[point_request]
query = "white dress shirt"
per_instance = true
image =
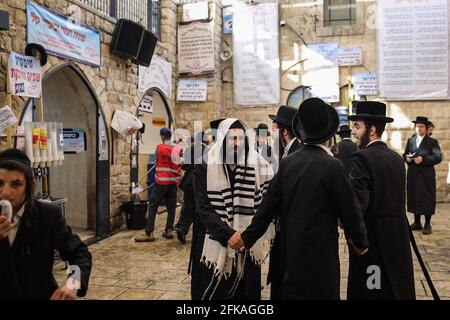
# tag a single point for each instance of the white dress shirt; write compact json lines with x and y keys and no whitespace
{"x":16,"y":219}
{"x":419,"y":140}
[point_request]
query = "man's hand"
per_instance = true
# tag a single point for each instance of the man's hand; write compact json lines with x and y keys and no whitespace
{"x":359,"y":251}
{"x":64,"y":293}
{"x":236,"y":242}
{"x":5,"y":227}
{"x":418,"y":160}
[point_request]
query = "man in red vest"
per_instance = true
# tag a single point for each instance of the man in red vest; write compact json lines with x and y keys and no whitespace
{"x":168,"y":175}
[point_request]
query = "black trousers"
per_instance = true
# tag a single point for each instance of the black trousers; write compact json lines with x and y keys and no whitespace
{"x":160,"y":192}
{"x":187,"y":211}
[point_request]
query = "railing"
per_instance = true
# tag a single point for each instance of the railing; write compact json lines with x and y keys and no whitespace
{"x":144,"y":12}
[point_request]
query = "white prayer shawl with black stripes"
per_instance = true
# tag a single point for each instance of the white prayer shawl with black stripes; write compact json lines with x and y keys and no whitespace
{"x":251,"y":182}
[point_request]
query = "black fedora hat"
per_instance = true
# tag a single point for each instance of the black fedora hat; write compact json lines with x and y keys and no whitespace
{"x":284,"y":116}
{"x":214,"y":124}
{"x":315,"y":121}
{"x":262,"y":127}
{"x":344,"y":129}
{"x":423,"y":120}
{"x":370,"y":110}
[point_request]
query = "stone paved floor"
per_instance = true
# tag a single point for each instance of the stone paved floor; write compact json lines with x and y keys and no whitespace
{"x":124,"y":270}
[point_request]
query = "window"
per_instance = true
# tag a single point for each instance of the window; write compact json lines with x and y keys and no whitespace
{"x":339,"y":12}
{"x":154,"y":18}
{"x":298,"y":95}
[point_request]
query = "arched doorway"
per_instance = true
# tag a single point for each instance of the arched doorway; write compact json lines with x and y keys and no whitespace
{"x":154,"y":112}
{"x":84,"y":177}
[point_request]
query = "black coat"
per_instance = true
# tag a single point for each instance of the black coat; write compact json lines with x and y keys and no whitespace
{"x":421,"y":178}
{"x":296,"y":145}
{"x":345,"y":150}
{"x":276,"y":267}
{"x":205,"y":218}
{"x":26,"y":268}
{"x":309,"y":192}
{"x":378,"y":179}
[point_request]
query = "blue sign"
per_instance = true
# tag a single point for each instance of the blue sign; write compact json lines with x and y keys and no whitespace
{"x":61,"y":36}
{"x":74,"y":141}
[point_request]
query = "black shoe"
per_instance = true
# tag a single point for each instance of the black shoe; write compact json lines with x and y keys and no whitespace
{"x":181,"y":236}
{"x":416,"y":226}
{"x":427,"y":229}
{"x":168,"y":234}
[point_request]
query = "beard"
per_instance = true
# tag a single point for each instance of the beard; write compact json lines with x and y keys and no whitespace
{"x":363,"y":140}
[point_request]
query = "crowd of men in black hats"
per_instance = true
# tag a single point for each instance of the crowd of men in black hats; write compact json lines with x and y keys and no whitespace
{"x":310,"y":187}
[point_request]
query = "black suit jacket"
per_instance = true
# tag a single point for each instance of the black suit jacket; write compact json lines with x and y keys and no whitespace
{"x":296,"y":145}
{"x":345,"y":150}
{"x":309,"y":192}
{"x":378,"y":179}
{"x":26,"y":267}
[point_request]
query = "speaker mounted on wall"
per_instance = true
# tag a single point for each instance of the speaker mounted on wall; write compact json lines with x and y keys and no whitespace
{"x":148,"y":45}
{"x":132,"y":41}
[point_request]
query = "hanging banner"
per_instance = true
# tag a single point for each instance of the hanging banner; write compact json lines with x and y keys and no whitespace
{"x":24,"y":75}
{"x":62,"y":37}
{"x":322,"y":71}
{"x":7,"y":118}
{"x":413,"y":49}
{"x":256,"y":65}
{"x":365,"y":84}
{"x":350,"y":57}
{"x":192,"y":90}
{"x":196,"y":48}
{"x":157,"y":75}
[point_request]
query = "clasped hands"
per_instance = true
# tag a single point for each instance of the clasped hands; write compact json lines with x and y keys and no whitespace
{"x":236,"y":242}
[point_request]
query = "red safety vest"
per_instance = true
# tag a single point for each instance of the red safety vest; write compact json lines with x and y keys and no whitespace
{"x":168,"y":170}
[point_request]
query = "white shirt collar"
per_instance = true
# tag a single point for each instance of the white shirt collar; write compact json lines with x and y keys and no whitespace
{"x":327,"y":150}
{"x":16,"y":218}
{"x":372,"y":142}
{"x":347,"y":139}
{"x":289,"y":145}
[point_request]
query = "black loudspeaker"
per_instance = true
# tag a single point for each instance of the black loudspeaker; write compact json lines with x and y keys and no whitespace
{"x":126,"y":40}
{"x":147,"y":48}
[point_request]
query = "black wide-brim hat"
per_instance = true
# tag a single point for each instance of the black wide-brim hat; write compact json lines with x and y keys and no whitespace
{"x":423,"y":120}
{"x":284,"y":116}
{"x":344,"y":129}
{"x":214,"y":124}
{"x":315,"y":121}
{"x":370,"y":110}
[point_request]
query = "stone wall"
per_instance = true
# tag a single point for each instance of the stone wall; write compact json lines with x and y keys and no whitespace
{"x":306,"y":18}
{"x":114,"y":83}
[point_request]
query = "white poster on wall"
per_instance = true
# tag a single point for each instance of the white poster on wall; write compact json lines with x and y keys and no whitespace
{"x":196,"y":48}
{"x":321,"y":71}
{"x":24,"y":74}
{"x":157,"y":75}
{"x":256,"y":62}
{"x":365,"y":84}
{"x":348,"y":57}
{"x":192,"y":90}
{"x":7,"y":118}
{"x":146,"y":104}
{"x":195,"y":11}
{"x":413,"y":49}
